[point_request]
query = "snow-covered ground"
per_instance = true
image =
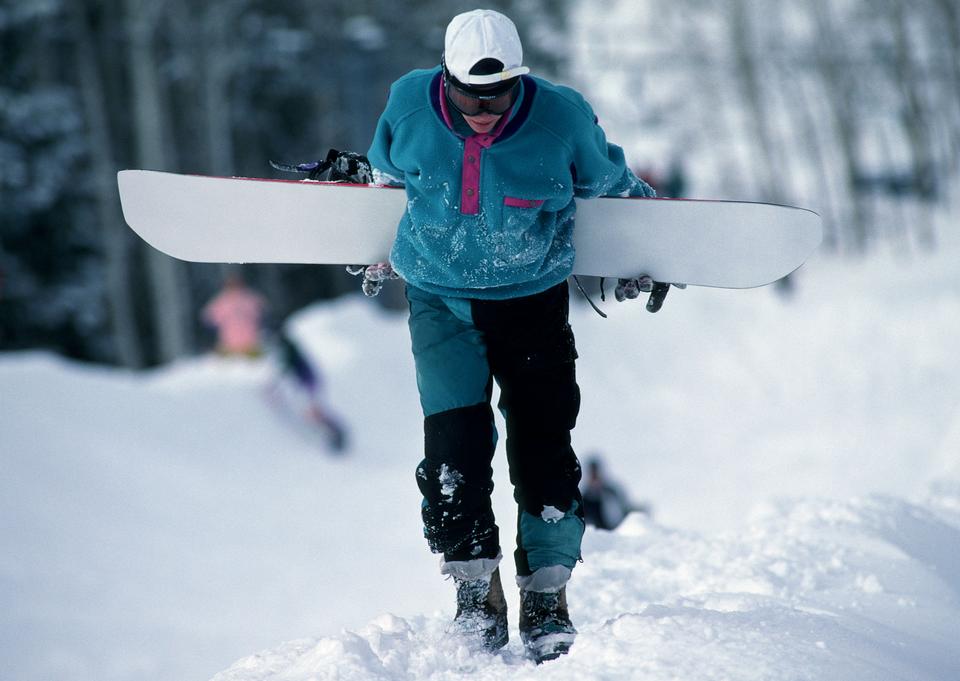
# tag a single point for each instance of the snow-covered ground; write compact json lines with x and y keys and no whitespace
{"x":802,"y":457}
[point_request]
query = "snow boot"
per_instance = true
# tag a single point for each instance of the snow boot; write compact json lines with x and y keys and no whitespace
{"x":482,"y":610}
{"x":545,"y":626}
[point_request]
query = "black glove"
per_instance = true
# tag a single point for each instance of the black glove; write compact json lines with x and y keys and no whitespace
{"x":338,"y":166}
{"x":628,"y":289}
{"x":373,"y":276}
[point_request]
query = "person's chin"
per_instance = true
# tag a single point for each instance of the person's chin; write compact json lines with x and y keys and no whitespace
{"x":483,"y":127}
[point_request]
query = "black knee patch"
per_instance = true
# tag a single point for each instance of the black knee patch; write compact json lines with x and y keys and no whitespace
{"x":456,"y":480}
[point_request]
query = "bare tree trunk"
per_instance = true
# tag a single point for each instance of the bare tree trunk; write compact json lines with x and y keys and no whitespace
{"x":151,"y":128}
{"x":915,"y":120}
{"x":800,"y":103}
{"x":714,"y":107}
{"x":840,"y":97}
{"x":949,"y":23}
{"x":751,"y":87}
{"x":326,"y":23}
{"x":117,"y":240}
{"x":218,"y":63}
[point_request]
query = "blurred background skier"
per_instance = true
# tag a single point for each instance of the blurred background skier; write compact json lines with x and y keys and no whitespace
{"x":298,"y":387}
{"x":492,"y":159}
{"x":237,"y":315}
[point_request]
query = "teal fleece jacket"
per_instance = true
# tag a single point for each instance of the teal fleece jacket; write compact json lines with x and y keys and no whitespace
{"x":491,"y":215}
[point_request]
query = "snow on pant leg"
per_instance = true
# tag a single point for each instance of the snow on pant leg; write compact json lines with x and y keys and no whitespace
{"x":455,"y":476}
{"x":531,"y":351}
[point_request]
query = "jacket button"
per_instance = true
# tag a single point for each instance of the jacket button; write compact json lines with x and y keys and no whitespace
{"x":471,"y":159}
{"x":469,"y":192}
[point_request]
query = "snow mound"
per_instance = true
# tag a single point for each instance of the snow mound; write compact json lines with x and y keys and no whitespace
{"x":158,"y":525}
{"x":811,"y":589}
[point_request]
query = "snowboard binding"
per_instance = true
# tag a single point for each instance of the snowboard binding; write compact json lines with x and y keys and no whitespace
{"x":338,"y":166}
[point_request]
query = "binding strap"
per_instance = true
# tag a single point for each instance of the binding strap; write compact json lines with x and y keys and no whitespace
{"x":592,"y":304}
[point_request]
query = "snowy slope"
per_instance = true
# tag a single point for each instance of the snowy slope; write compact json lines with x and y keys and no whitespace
{"x":813,"y":590}
{"x":802,"y":458}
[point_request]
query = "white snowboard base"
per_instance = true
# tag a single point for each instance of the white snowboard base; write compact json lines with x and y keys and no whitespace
{"x":197,"y":218}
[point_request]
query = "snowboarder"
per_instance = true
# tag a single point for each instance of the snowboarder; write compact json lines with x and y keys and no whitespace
{"x":293,"y":363}
{"x":492,"y":159}
{"x":236,"y":313}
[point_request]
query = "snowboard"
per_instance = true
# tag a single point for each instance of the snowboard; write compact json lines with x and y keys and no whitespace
{"x":728,"y":244}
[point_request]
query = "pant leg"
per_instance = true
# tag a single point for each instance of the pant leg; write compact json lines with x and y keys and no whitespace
{"x":531,"y":352}
{"x":455,"y":476}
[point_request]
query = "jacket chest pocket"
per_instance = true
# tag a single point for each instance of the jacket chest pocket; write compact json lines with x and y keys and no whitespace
{"x":513,"y":202}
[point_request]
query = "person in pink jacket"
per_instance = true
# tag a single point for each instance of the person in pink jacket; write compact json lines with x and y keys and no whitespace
{"x":236,"y":313}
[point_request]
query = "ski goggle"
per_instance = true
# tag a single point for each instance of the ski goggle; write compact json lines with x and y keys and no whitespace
{"x":473,"y":104}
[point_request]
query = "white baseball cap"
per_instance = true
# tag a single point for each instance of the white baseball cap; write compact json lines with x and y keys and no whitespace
{"x":482,"y":34}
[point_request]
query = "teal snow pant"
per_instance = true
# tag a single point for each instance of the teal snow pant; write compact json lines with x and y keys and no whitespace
{"x":460,"y":347}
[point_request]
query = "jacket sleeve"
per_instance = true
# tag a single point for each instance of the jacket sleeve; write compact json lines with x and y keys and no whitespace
{"x":379,"y":153}
{"x":600,"y":168}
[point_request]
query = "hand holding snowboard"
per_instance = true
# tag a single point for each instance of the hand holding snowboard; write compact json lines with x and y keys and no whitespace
{"x":628,"y":289}
{"x":373,"y":276}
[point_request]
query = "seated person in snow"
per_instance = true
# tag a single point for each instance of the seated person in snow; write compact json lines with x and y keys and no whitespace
{"x":605,"y":504}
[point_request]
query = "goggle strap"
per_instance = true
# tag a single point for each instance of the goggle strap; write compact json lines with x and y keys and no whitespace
{"x":491,"y":78}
